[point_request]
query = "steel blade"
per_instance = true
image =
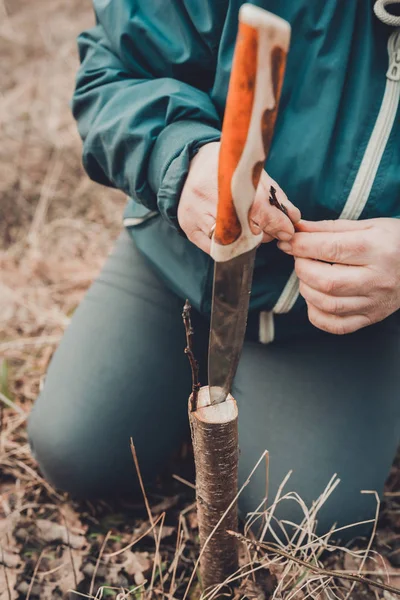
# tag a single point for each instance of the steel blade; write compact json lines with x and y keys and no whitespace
{"x":230,"y":305}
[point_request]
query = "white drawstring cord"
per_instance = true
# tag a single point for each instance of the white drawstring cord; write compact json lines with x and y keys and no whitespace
{"x":384,"y":15}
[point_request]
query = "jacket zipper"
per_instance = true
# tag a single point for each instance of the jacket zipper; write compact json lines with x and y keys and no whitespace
{"x":368,"y":169}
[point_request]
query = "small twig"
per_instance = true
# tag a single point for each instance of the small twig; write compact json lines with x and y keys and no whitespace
{"x":37,"y":477}
{"x":44,"y":574}
{"x":273,"y":200}
{"x":136,"y":540}
{"x":184,"y":481}
{"x":142,"y":488}
{"x":35,"y":341}
{"x":35,"y":571}
{"x":179,"y":547}
{"x":371,"y":539}
{"x":194,"y":365}
{"x":71,"y":556}
{"x":10,"y":404}
{"x":46,"y":196}
{"x":1,"y":427}
{"x":157,"y":540}
{"x":96,"y":568}
{"x":157,"y":558}
{"x":5,"y":574}
{"x":314,"y":568}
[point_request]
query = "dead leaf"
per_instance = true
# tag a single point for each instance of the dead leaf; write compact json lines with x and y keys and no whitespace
{"x":164,"y":505}
{"x":166,"y":531}
{"x":137,"y":564}
{"x":51,"y":532}
{"x":135,"y":567}
{"x":351,"y":563}
{"x":391,"y":575}
{"x":72,"y":519}
{"x":89,"y":569}
{"x":9,"y":559}
{"x":262,"y":588}
{"x":8,"y":581}
{"x":35,"y":589}
{"x":70,"y":575}
{"x":251,"y":590}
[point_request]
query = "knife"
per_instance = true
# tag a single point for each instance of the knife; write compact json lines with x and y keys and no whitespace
{"x":251,"y":109}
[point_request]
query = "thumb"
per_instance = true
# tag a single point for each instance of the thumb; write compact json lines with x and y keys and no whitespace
{"x":336,"y":226}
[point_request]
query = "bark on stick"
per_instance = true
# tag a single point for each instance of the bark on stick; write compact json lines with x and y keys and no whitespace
{"x":215,"y":442}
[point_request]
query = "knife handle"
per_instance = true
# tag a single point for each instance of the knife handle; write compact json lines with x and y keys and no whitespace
{"x":251,"y":109}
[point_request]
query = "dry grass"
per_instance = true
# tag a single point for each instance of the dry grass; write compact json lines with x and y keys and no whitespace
{"x":56,"y":228}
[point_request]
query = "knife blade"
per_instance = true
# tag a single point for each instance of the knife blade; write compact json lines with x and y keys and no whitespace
{"x":251,"y":109}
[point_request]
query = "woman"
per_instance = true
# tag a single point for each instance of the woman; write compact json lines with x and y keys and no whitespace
{"x":318,"y":379}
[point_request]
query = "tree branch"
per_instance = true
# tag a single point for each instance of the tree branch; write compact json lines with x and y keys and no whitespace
{"x":194,"y":365}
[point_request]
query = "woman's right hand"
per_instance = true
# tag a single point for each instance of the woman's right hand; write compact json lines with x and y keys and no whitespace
{"x":197,"y":208}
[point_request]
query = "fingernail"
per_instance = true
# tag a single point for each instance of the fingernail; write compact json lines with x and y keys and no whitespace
{"x":285,"y":247}
{"x":284,"y":236}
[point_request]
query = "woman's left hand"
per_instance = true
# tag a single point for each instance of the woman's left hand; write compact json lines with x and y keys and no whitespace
{"x":349,"y":271}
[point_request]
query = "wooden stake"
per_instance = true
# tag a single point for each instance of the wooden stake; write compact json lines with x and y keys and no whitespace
{"x":215,"y":443}
{"x":215,"y":446}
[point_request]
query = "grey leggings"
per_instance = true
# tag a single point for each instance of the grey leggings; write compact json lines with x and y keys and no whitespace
{"x":320,"y":405}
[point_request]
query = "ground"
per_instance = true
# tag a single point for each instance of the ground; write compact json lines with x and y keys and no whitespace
{"x":56,"y":228}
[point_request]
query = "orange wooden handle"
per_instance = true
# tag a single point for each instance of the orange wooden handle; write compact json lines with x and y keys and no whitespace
{"x":239,"y":105}
{"x":254,"y":92}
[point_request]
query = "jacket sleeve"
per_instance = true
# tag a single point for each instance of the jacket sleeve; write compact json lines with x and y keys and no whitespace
{"x":141,"y":97}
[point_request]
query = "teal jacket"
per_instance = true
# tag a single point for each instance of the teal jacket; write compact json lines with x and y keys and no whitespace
{"x":151,"y":91}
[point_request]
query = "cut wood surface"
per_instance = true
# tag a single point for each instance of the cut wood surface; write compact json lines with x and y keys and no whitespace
{"x":215,"y":442}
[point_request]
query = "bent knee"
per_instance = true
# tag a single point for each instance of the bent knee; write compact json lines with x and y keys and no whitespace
{"x":57,"y":453}
{"x":68,"y":456}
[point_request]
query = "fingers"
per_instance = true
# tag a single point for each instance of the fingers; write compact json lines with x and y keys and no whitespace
{"x":202,"y":241}
{"x":333,"y":226}
{"x":198,"y":225}
{"x":202,"y":228}
{"x":256,"y":229}
{"x":361,"y":286}
{"x":342,"y":305}
{"x":347,"y":247}
{"x":197,"y":207}
{"x":332,"y":294}
{"x":266,"y":238}
{"x":198,"y":203}
{"x":270,"y":219}
{"x":293,"y":212}
{"x":334,"y":280}
{"x":336,"y":324}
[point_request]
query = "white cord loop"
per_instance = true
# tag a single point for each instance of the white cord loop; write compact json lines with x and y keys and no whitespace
{"x":384,"y":15}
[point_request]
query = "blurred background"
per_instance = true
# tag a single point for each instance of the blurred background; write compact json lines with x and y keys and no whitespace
{"x":55,"y":225}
